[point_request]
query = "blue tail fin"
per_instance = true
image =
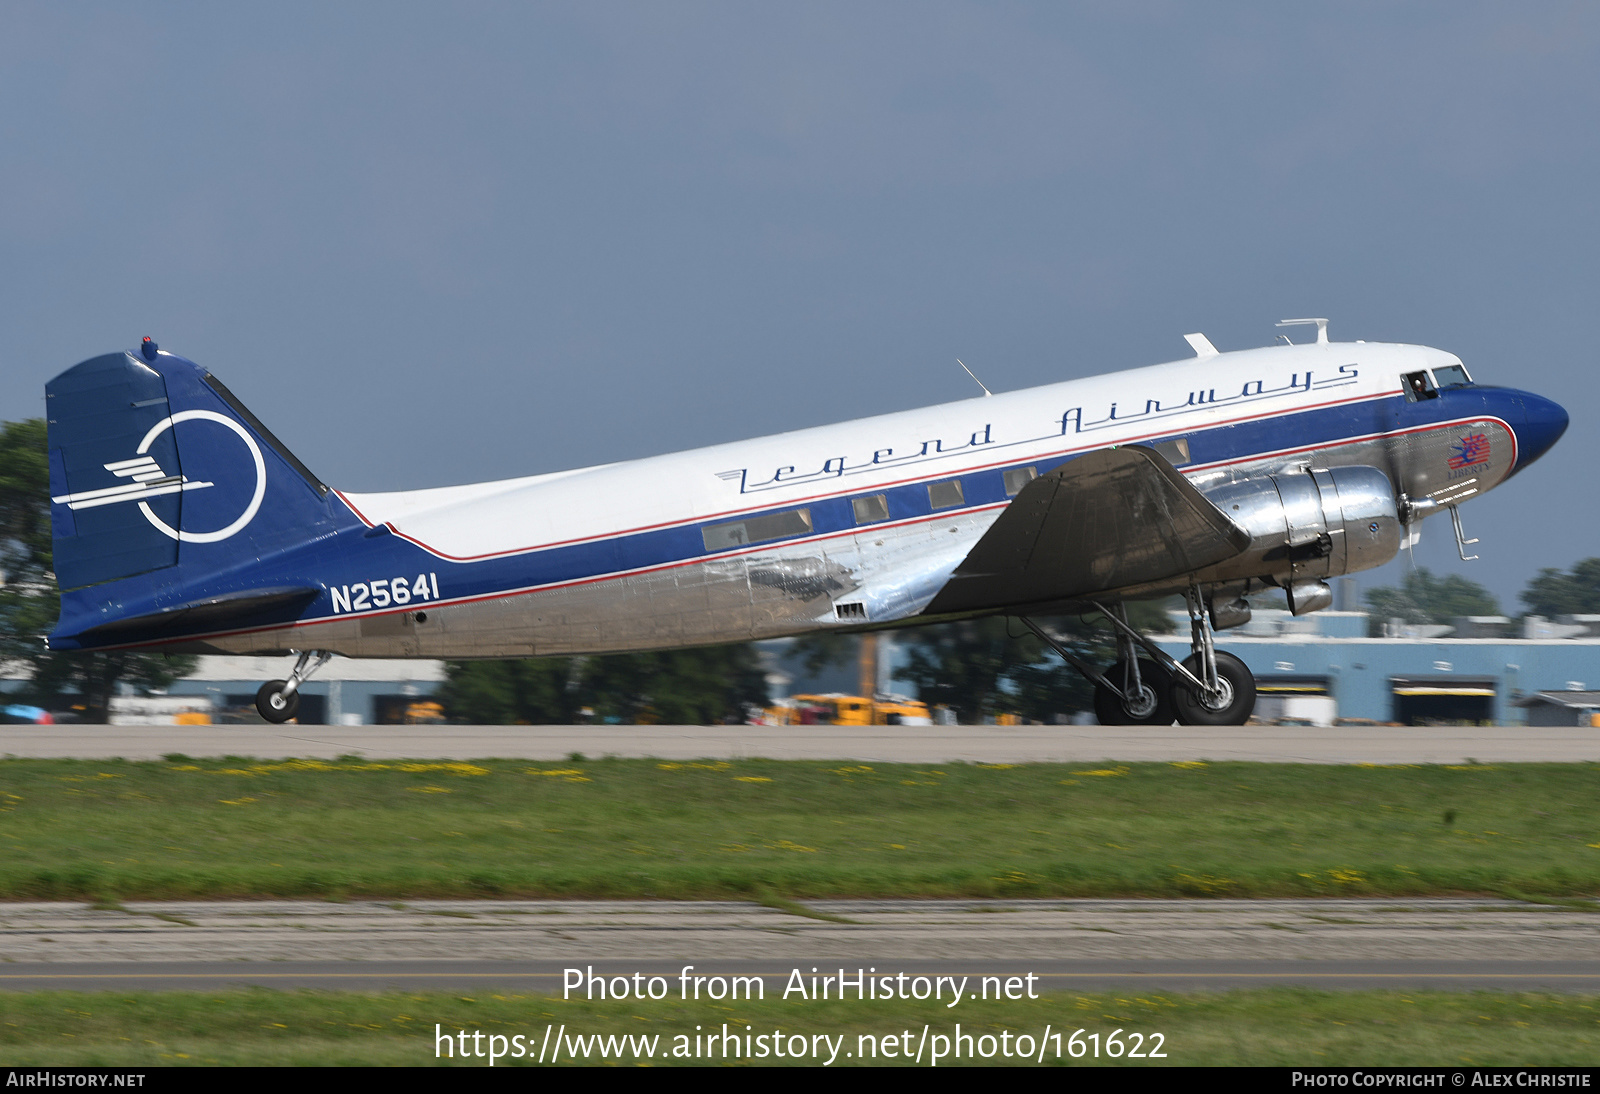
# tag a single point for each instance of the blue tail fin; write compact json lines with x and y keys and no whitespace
{"x":162,"y":484}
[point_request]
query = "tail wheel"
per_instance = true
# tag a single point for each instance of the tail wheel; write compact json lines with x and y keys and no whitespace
{"x":1150,"y":707}
{"x":1234,"y":702}
{"x":274,"y":705}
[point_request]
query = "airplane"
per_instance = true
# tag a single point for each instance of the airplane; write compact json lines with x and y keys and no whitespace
{"x":181,"y":523}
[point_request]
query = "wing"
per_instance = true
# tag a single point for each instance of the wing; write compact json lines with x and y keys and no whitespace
{"x":1107,"y":520}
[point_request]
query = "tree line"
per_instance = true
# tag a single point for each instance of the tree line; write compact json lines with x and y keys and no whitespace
{"x":978,"y":668}
{"x":1424,"y":597}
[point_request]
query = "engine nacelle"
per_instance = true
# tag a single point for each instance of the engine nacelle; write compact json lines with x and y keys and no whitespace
{"x":1308,"y":526}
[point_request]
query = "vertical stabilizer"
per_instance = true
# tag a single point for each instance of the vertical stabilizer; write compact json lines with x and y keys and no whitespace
{"x":161,"y":483}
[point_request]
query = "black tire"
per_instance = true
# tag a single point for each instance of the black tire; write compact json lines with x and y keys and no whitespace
{"x":1112,"y":711}
{"x":272,"y":705}
{"x":1238,"y":699}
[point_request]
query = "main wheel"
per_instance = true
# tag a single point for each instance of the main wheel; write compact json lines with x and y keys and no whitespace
{"x":1232,"y":706}
{"x":274,"y":706}
{"x":1151,"y":707}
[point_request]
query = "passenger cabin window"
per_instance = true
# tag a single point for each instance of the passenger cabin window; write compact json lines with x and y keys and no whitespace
{"x":1451,"y":376}
{"x":945,"y":495}
{"x":871,"y":508}
{"x":1017,"y":478}
{"x":718,"y":537}
{"x":1419,"y":386}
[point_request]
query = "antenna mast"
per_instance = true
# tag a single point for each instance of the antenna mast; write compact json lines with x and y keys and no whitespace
{"x":1321,"y":324}
{"x":986,"y":391}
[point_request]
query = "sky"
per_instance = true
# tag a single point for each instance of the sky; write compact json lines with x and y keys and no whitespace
{"x":441,"y":243}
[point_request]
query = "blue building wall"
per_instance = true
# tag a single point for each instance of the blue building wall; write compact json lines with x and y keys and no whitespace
{"x":347,"y":687}
{"x":360,"y":698}
{"x":1361,"y":671}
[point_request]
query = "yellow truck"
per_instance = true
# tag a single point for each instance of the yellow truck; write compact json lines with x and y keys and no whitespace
{"x":835,"y":709}
{"x":424,"y":712}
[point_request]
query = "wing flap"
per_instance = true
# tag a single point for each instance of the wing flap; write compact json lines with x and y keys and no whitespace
{"x":1107,"y":520}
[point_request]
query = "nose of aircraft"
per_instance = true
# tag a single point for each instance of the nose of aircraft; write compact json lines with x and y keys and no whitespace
{"x":1543,"y":423}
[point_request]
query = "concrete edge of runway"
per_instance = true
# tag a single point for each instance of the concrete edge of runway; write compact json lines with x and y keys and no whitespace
{"x":1047,"y":976}
{"x":872,"y":744}
{"x":1373,"y":943}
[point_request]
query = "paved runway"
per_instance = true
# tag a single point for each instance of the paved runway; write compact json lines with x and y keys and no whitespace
{"x":880,"y":744}
{"x":545,"y":977}
{"x":1067,"y":944}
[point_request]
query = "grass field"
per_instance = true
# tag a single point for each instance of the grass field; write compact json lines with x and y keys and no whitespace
{"x":1273,"y":1027}
{"x":640,"y":828}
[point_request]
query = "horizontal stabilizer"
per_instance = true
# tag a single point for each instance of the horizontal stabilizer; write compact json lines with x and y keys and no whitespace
{"x":1111,"y":519}
{"x":216,"y":611}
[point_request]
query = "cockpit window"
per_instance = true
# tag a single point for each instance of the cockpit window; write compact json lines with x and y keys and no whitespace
{"x":1451,"y":376}
{"x":1419,"y":386}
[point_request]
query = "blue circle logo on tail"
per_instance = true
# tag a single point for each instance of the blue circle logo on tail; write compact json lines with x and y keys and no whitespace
{"x":145,"y":480}
{"x":250,"y":509}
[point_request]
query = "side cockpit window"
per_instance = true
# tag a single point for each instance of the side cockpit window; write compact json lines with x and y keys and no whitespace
{"x":1419,"y":386}
{"x":1451,"y":376}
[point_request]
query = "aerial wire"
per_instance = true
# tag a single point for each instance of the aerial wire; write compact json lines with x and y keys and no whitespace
{"x":963,"y":364}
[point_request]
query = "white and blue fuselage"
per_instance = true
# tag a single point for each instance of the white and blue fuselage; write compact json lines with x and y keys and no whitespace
{"x":857,"y":524}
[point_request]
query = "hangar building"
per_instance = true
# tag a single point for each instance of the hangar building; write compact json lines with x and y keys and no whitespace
{"x":1322,"y":666}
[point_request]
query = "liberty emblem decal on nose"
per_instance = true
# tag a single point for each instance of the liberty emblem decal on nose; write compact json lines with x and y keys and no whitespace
{"x":149,"y":480}
{"x":1471,"y":449}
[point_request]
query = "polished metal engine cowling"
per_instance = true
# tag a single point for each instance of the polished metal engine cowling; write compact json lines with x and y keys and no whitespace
{"x":1309,"y":525}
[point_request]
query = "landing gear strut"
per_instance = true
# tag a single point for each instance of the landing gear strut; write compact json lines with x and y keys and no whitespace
{"x":1136,"y":690}
{"x":279,"y":700}
{"x":1226,"y":691}
{"x":1207,"y":688}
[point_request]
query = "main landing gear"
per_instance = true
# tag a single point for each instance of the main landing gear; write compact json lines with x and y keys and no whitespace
{"x":279,"y":700}
{"x":1137,"y":693}
{"x":1207,"y":688}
